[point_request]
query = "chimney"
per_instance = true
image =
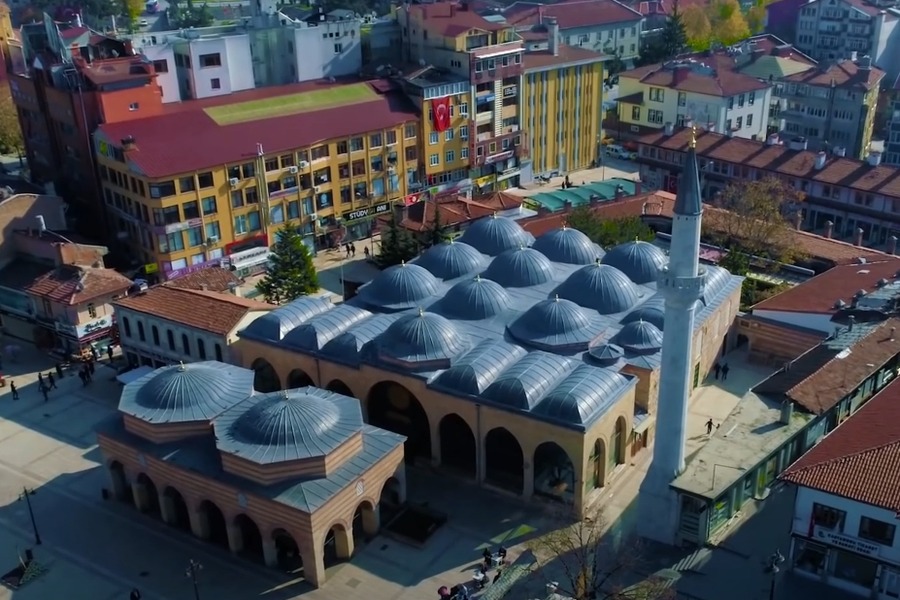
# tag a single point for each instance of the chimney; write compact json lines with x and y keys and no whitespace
{"x":41,"y":225}
{"x":787,"y":411}
{"x":874,"y":159}
{"x":859,"y":237}
{"x":669,"y":128}
{"x":204,"y":287}
{"x":729,"y":133}
{"x":851,"y":320}
{"x":452,"y":9}
{"x":637,"y":186}
{"x":840,"y":151}
{"x":772,"y":139}
{"x":553,"y":30}
{"x":798,"y":220}
{"x":541,"y":14}
{"x":680,"y":72}
{"x":829,"y":229}
{"x":821,"y":157}
{"x":129,"y":143}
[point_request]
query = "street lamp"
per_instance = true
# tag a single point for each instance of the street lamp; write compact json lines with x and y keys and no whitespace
{"x":192,"y":570}
{"x":772,"y":564}
{"x":26,"y":495}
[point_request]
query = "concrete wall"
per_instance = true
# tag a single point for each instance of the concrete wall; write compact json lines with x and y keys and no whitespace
{"x":316,"y":50}
{"x":20,"y":212}
{"x":162,"y":352}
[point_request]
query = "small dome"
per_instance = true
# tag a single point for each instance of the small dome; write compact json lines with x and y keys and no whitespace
{"x":523,"y":384}
{"x":585,"y":394}
{"x":716,"y":280}
{"x":451,"y":260}
{"x":319,"y":330}
{"x":521,"y":267}
{"x":600,"y":287}
{"x":399,"y":287}
{"x":421,"y":337}
{"x":494,"y":235}
{"x":651,"y":311}
{"x":289,"y":425}
{"x":556,"y":324}
{"x":185,"y":393}
{"x":606,"y":354}
{"x":641,"y":261}
{"x":275,"y":324}
{"x":640,"y":337}
{"x":568,"y":246}
{"x":475,"y":299}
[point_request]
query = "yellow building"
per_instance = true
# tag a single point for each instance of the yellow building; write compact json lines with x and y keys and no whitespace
{"x":212,"y":182}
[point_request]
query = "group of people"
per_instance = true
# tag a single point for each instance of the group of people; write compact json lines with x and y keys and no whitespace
{"x":722,"y":370}
{"x":47,"y":382}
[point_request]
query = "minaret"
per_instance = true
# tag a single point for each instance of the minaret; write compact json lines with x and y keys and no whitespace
{"x":681,"y":283}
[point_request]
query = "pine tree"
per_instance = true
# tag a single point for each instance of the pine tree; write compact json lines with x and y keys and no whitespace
{"x":291,"y":272}
{"x":436,"y":234}
{"x":397,"y":246}
{"x":671,"y":42}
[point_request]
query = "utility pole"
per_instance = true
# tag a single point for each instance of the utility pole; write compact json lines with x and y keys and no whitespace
{"x":26,"y":495}
{"x":192,"y":570}
{"x":773,"y":567}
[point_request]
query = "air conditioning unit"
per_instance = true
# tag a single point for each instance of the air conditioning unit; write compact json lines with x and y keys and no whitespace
{"x":234,"y":181}
{"x":213,"y":239}
{"x":304,"y":164}
{"x":292,"y":169}
{"x":313,"y":217}
{"x":316,"y":189}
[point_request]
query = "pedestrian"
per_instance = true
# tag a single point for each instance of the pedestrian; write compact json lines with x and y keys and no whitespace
{"x":59,"y":371}
{"x":725,"y":370}
{"x":41,"y":379}
{"x":366,"y":252}
{"x":14,"y":390}
{"x":90,"y":367}
{"x":709,"y":427}
{"x":352,"y":249}
{"x":497,"y":576}
{"x":347,"y":248}
{"x":44,"y":392}
{"x":109,"y":352}
{"x":717,"y":368}
{"x":51,"y":383}
{"x":95,"y":355}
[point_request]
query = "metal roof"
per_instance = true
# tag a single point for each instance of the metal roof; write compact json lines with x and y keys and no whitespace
{"x":275,"y":324}
{"x":186,"y":393}
{"x":606,"y":355}
{"x":520,"y":267}
{"x":557,"y":325}
{"x":479,"y":367}
{"x":322,"y":328}
{"x":641,"y":261}
{"x":348,"y":346}
{"x":584,"y":194}
{"x":651,"y":311}
{"x":600,"y":287}
{"x":568,"y":246}
{"x":451,"y":260}
{"x":585,"y":393}
{"x":475,"y":299}
{"x":716,"y":279}
{"x":522,"y":385}
{"x":421,"y":338}
{"x":399,"y":287}
{"x":642,"y":337}
{"x":494,"y":235}
{"x":288,"y":425}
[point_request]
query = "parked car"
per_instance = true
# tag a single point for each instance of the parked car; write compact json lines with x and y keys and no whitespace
{"x":617,"y":151}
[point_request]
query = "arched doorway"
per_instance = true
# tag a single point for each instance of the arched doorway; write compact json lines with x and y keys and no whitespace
{"x":288,"y":551}
{"x":298,"y":379}
{"x":251,"y":538}
{"x":265,"y":379}
{"x":119,"y":481}
{"x":554,"y":473}
{"x":339,"y":387}
{"x":391,"y":501}
{"x":457,"y":445}
{"x":503,"y":460}
{"x":215,"y":522}
{"x":617,"y":445}
{"x":178,"y":513}
{"x":391,"y":406}
{"x":147,"y":500}
{"x":337,"y":545}
{"x":598,"y":463}
{"x":365,"y":521}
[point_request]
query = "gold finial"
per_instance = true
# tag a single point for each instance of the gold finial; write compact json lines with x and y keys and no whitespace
{"x":421,"y":312}
{"x":284,"y":395}
{"x":693,"y":136}
{"x":181,"y":366}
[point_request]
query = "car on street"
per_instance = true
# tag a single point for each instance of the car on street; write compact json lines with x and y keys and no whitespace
{"x":618,"y":151}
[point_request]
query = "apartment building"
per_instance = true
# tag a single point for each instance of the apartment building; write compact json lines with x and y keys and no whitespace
{"x":708,"y":92}
{"x":892,"y":143}
{"x":192,"y":187}
{"x":851,"y":199}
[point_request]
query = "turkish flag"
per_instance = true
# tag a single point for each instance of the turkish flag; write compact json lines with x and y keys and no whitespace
{"x":440,"y":111}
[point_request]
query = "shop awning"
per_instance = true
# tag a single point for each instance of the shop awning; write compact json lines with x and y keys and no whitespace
{"x":133,"y":375}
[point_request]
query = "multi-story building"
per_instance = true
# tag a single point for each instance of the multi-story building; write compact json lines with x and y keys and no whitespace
{"x":191,"y":187}
{"x":707,"y":92}
{"x":892,"y":144}
{"x":844,"y":523}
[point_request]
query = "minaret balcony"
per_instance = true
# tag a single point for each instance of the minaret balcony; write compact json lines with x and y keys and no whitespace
{"x":685,"y":286}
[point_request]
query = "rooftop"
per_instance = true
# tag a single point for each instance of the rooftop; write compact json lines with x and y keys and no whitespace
{"x":208,"y":311}
{"x":451,"y":19}
{"x":114,"y":70}
{"x":579,"y":195}
{"x":456,"y":210}
{"x":860,"y":460}
{"x":212,"y":279}
{"x":576,"y":13}
{"x":780,"y":159}
{"x":844,"y":74}
{"x":544,"y":59}
{"x":75,"y":285}
{"x":713,"y":75}
{"x":651,"y":203}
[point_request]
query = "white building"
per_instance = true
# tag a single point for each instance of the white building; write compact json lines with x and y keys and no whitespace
{"x":165,"y":325}
{"x":845,"y":524}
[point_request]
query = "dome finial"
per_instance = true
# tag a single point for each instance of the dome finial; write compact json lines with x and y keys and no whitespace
{"x":478,"y":277}
{"x":598,"y":261}
{"x":637,"y":238}
{"x":284,"y":394}
{"x":494,"y":215}
{"x":402,"y":263}
{"x":421,"y":312}
{"x":181,"y":366}
{"x":556,"y":297}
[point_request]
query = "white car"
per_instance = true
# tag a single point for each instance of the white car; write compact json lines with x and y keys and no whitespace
{"x":618,"y":151}
{"x":143,"y":23}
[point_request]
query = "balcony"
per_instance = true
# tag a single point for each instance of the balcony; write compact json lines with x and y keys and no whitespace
{"x":484,"y":117}
{"x":500,"y":153}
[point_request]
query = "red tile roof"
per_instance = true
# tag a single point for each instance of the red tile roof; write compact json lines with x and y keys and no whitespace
{"x":455,"y":210}
{"x":451,"y":18}
{"x":714,"y":75}
{"x":183,"y":141}
{"x":213,"y":279}
{"x":843,"y":74}
{"x":860,"y":460}
{"x":780,"y":159}
{"x":76,"y":285}
{"x":575,"y":13}
{"x":567,"y":54}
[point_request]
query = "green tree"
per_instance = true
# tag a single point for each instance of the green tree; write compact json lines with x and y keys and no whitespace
{"x":132,"y":10}
{"x":608,"y":232}
{"x":437,"y":233}
{"x":671,"y":42}
{"x":10,"y":131}
{"x":397,"y":246}
{"x":291,"y":272}
{"x":698,"y":29}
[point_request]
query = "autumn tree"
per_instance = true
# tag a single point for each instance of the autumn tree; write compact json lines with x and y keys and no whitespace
{"x":10,"y":131}
{"x":756,"y":18}
{"x":697,"y":28}
{"x":729,"y":24}
{"x":132,"y":10}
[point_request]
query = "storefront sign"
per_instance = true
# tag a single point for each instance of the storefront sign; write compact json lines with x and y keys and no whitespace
{"x":508,"y":174}
{"x":93,"y":327}
{"x":509,"y":91}
{"x":366,"y":213}
{"x":151,"y":268}
{"x":483,"y":181}
{"x":846,"y":542}
{"x":249,"y":258}
{"x":176,"y":273}
{"x":496,"y":157}
{"x":259,"y":241}
{"x":412,"y":199}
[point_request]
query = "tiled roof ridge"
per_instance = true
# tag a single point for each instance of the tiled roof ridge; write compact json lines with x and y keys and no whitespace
{"x":836,"y":461}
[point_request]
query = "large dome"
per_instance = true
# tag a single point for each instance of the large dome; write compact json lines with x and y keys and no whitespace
{"x":640,"y":337}
{"x":556,"y":324}
{"x":321,"y":329}
{"x":399,"y":287}
{"x":422,"y":337}
{"x":289,"y":425}
{"x":185,"y":393}
{"x":494,"y":235}
{"x":475,"y":299}
{"x":641,"y":261}
{"x":451,"y":260}
{"x":277,"y":323}
{"x":585,"y":394}
{"x":600,"y":287}
{"x":521,"y":267}
{"x":717,"y":279}
{"x":567,"y":246}
{"x":652,"y":311}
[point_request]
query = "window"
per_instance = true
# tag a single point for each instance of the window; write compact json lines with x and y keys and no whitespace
{"x":448,"y":135}
{"x":741,"y":101}
{"x":657,"y":94}
{"x":391,"y":137}
{"x":410,"y":131}
{"x":289,"y":182}
{"x":195,"y":236}
{"x":338,"y":48}
{"x":464,"y":153}
{"x":730,"y":103}
{"x":829,"y":518}
{"x":342,"y":147}
{"x":126,"y":324}
{"x":728,"y":125}
{"x":134,"y":106}
{"x":655,"y":116}
{"x":375,"y":140}
{"x":682,"y":98}
{"x":212,"y":231}
{"x":434,"y":160}
{"x":412,"y":153}
{"x":92,"y":311}
{"x":464,"y":109}
{"x":187,"y":184}
{"x":210,"y":60}
{"x":287,"y":160}
{"x":356,"y":144}
{"x":751,"y":98}
{"x":253,"y":221}
{"x":271,"y":164}
{"x":248,"y":170}
{"x":161,"y":66}
{"x":635,"y":113}
{"x":185,"y":344}
{"x":237,"y":198}
{"x":162,"y":189}
{"x":293,"y":209}
{"x":218,"y":352}
{"x":191,"y":210}
{"x":274,"y":186}
{"x":240,"y":225}
{"x":251,"y":195}
{"x":209,"y":205}
{"x":205,"y":180}
{"x":170,"y":337}
{"x":749,"y":120}
{"x":377,"y":164}
{"x":877,"y":531}
{"x":358,"y":168}
{"x":215,"y":83}
{"x":320,"y":152}
{"x":175,"y":241}
{"x":154,"y":332}
{"x":464,"y":132}
{"x":451,"y":156}
{"x":201,"y":349}
{"x":739,"y":123}
{"x":433,"y":138}
{"x":141,"y":334}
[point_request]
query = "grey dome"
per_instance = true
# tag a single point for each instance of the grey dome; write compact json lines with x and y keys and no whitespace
{"x":473,"y":372}
{"x":185,"y":393}
{"x":717,"y":279}
{"x":521,"y":267}
{"x":585,"y":394}
{"x":347,"y":347}
{"x":494,"y":235}
{"x":641,"y":261}
{"x":451,"y":260}
{"x":640,"y":337}
{"x":523,"y":384}
{"x":556,"y":324}
{"x":399,"y":287}
{"x":275,"y":324}
{"x":606,"y":354}
{"x":651,"y":311}
{"x":319,"y":330}
{"x":475,"y":299}
{"x":568,"y":246}
{"x":600,"y":287}
{"x":289,"y":425}
{"x":422,"y":337}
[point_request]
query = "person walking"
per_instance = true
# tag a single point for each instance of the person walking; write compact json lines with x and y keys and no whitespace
{"x":51,"y":383}
{"x":725,"y":369}
{"x":109,"y":352}
{"x":366,"y":252}
{"x":709,"y":427}
{"x":14,"y":390}
{"x":59,"y":371}
{"x":352,"y":249}
{"x":41,"y":379}
{"x":717,"y":368}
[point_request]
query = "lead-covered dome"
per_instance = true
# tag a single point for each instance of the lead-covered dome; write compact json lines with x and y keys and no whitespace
{"x":475,"y":299}
{"x":568,"y":246}
{"x":451,"y":260}
{"x":651,"y":311}
{"x":717,"y":279}
{"x":275,"y":324}
{"x":288,"y":425}
{"x":585,"y":394}
{"x":494,"y":235}
{"x":521,"y":267}
{"x":399,"y":287}
{"x":600,"y":287}
{"x":606,"y":355}
{"x":640,"y":337}
{"x":418,"y":338}
{"x":186,"y":393}
{"x":641,"y":261}
{"x":557,"y":324}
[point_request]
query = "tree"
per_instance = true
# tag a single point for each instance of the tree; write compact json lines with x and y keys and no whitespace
{"x":397,"y":246}
{"x":133,"y":9}
{"x":437,"y":233}
{"x":697,"y":28}
{"x":671,"y":42}
{"x":729,"y":23}
{"x":756,"y":18}
{"x":10,"y":131}
{"x":291,"y":272}
{"x":608,"y":232}
{"x":755,"y":219}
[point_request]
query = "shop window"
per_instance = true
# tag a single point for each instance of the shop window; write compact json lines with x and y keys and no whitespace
{"x":829,"y":518}
{"x":810,"y":557}
{"x":854,"y":568}
{"x":877,"y":531}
